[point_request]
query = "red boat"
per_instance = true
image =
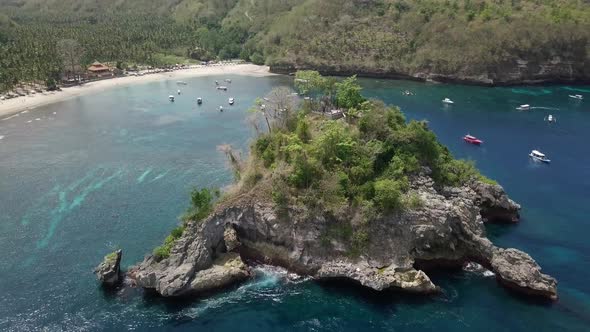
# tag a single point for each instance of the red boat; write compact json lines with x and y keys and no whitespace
{"x":472,"y":140}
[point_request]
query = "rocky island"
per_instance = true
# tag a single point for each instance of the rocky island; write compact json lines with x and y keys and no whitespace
{"x":369,"y":198}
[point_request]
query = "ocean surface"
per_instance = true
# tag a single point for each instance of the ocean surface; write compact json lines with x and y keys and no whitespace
{"x":114,"y":169}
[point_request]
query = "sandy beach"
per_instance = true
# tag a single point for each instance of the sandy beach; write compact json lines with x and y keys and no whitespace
{"x":12,"y":106}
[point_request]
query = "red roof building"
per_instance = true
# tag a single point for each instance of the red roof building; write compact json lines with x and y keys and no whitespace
{"x":98,"y":68}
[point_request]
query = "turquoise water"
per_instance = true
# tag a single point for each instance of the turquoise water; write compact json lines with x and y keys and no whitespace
{"x":114,"y":169}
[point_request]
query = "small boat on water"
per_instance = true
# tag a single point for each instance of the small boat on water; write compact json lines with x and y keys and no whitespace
{"x":578,"y":97}
{"x":447,"y":101}
{"x":181,"y":83}
{"x":220,"y":108}
{"x":524,"y":107}
{"x":171,"y":97}
{"x":550,"y":118}
{"x":472,"y":140}
{"x":410,"y":93}
{"x":221,"y":87}
{"x":227,"y":80}
{"x":178,"y":92}
{"x":231,"y":101}
{"x":538,"y":156}
{"x":199,"y":100}
{"x":216,"y":83}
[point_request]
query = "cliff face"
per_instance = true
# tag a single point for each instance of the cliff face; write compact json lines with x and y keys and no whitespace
{"x":516,"y":72}
{"x":447,"y":230}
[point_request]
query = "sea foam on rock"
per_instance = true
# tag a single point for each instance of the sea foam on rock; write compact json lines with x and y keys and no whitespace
{"x":447,"y":230}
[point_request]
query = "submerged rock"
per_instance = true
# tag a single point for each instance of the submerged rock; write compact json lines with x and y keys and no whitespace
{"x":446,"y":230}
{"x":109,"y":271}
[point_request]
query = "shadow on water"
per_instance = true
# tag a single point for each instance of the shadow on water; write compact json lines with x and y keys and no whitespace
{"x":496,"y":231}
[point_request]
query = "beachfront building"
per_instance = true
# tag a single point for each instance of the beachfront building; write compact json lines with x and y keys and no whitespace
{"x":97,"y":69}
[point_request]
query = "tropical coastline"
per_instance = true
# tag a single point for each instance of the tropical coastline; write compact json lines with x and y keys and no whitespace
{"x":12,"y":106}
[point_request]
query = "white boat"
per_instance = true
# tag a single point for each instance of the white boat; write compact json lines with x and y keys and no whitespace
{"x":231,"y":101}
{"x":578,"y":97}
{"x":550,"y":118}
{"x":220,"y":108}
{"x":178,"y":92}
{"x":447,"y":101}
{"x":524,"y":107}
{"x":199,"y":100}
{"x":538,"y":156}
{"x":171,"y":97}
{"x":181,"y":83}
{"x":224,"y":88}
{"x":227,"y":80}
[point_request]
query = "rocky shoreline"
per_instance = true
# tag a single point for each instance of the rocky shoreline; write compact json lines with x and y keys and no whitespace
{"x":448,"y":230}
{"x":512,"y":74}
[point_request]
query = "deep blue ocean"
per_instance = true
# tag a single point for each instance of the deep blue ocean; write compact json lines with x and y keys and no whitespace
{"x":114,"y":169}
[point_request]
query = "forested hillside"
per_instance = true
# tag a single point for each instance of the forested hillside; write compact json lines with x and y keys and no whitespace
{"x":486,"y":41}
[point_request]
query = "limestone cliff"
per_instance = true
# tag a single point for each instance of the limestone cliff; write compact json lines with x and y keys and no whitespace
{"x":447,"y":229}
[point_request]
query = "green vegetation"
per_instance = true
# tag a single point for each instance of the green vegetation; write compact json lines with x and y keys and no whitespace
{"x":201,"y":207}
{"x":201,"y":204}
{"x":111,"y":258}
{"x":364,"y":162}
{"x":450,"y":37}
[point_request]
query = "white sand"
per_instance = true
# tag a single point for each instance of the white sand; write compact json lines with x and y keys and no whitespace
{"x":15,"y":105}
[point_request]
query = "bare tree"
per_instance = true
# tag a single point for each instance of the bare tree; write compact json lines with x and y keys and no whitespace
{"x":71,"y":52}
{"x":233,"y":157}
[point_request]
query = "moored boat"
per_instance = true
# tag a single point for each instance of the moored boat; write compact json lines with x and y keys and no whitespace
{"x":472,"y":140}
{"x":220,"y":108}
{"x":227,"y":80}
{"x":181,"y":83}
{"x":224,"y":88}
{"x":199,"y":100}
{"x":171,"y":97}
{"x":447,"y":101}
{"x":178,"y":92}
{"x":578,"y":97}
{"x":231,"y":101}
{"x":550,"y":118}
{"x":538,"y":156}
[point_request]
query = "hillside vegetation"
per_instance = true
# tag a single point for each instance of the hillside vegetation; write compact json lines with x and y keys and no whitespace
{"x":495,"y":40}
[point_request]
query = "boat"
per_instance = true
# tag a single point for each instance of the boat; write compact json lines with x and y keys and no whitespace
{"x":524,"y":107}
{"x":409,"y":93}
{"x":447,"y":101}
{"x":538,"y":156}
{"x":578,"y":97}
{"x":216,"y":83}
{"x":220,"y":108}
{"x":224,"y":88}
{"x":171,"y":97}
{"x":550,"y":118}
{"x":178,"y":92}
{"x":472,"y":140}
{"x":231,"y":101}
{"x":181,"y":83}
{"x":199,"y":100}
{"x":227,"y":80}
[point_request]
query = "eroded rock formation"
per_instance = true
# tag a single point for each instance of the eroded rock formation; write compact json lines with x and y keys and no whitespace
{"x":448,"y":229}
{"x":109,"y":271}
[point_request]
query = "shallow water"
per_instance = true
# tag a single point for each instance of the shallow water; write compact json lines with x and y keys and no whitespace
{"x":114,"y":169}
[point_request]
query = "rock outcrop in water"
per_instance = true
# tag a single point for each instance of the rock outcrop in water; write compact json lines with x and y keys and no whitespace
{"x":109,"y":271}
{"x":448,"y":230}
